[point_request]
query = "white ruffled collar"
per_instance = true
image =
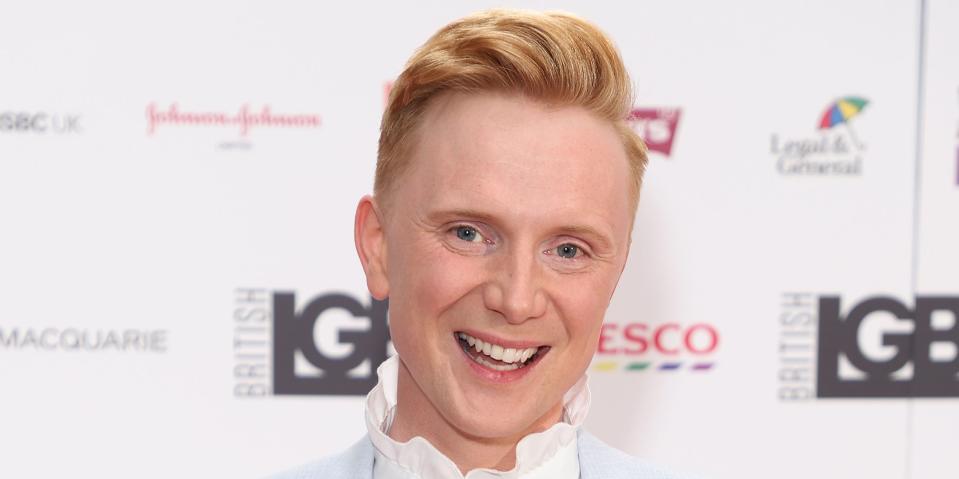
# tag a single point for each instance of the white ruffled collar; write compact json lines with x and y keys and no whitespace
{"x":549,"y":454}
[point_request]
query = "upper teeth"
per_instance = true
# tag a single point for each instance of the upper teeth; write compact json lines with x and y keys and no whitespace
{"x":495,"y":351}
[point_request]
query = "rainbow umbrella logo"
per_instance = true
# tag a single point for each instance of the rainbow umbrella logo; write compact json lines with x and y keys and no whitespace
{"x":841,"y":111}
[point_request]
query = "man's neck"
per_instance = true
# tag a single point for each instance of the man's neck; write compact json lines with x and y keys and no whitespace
{"x":416,"y":416}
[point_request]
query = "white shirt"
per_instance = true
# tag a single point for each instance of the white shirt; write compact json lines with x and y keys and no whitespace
{"x":550,"y":454}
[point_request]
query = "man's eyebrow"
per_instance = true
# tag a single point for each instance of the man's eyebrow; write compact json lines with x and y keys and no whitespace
{"x":444,"y":215}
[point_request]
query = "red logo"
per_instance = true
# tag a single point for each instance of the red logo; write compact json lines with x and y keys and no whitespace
{"x":656,"y":126}
{"x":666,"y":346}
{"x":245,"y":119}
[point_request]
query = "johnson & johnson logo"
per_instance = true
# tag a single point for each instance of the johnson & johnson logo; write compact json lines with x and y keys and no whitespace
{"x":245,"y":119}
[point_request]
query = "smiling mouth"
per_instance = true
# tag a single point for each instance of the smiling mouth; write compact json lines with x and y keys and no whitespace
{"x":497,"y":357}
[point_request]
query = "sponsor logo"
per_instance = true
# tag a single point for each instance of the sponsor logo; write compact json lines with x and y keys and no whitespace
{"x":643,"y":347}
{"x":39,"y":123}
{"x":657,"y":127}
{"x":833,"y":150}
{"x":878,"y":347}
{"x":81,"y":339}
{"x":243,"y":121}
{"x":328,"y":344}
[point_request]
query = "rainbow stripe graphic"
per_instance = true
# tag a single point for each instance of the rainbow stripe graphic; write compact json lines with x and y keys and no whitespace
{"x":641,"y":366}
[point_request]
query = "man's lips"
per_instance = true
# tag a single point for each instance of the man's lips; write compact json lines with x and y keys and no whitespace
{"x":498,"y":355}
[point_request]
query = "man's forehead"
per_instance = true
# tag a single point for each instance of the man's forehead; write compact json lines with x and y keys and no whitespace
{"x":516,"y":158}
{"x":462,"y":133}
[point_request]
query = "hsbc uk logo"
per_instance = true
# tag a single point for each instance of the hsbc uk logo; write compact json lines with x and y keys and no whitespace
{"x":657,"y":127}
{"x":288,"y":344}
{"x":876,"y":347}
{"x":39,"y":123}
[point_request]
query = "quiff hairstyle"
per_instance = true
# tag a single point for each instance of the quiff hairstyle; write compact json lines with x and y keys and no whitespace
{"x":552,"y":57}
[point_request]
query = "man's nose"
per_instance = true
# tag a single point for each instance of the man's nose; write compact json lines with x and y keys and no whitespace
{"x":515,"y":289}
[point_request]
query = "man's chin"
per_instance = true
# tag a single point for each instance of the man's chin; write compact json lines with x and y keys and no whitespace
{"x":508,"y":421}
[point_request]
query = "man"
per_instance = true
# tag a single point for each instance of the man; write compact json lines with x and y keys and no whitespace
{"x":506,"y":187}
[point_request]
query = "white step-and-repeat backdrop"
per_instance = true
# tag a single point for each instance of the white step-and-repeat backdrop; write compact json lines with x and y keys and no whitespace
{"x":177,"y":184}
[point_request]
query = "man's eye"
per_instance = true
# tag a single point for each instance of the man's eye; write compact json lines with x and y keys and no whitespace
{"x":568,"y":251}
{"x":468,"y":233}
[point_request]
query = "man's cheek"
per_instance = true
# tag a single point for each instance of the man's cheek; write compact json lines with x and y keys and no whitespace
{"x":444,"y":280}
{"x":586,"y":325}
{"x":590,"y":301}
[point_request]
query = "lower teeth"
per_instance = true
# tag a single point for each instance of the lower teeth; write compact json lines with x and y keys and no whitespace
{"x":498,"y":367}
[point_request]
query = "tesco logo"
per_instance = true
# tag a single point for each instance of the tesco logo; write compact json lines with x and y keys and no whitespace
{"x":667,"y":339}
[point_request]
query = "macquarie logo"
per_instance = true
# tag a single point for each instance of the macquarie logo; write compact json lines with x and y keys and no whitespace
{"x":657,"y":127}
{"x":876,"y":347}
{"x":39,"y":123}
{"x":662,"y":347}
{"x":833,"y":148}
{"x":286,"y":343}
{"x":69,"y":339}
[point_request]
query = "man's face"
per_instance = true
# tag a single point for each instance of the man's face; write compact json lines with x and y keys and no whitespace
{"x":511,"y":229}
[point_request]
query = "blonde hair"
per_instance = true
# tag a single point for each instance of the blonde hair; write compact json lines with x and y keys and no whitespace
{"x":553,"y":57}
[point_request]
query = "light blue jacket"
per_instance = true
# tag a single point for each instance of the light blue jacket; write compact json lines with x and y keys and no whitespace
{"x":596,"y":461}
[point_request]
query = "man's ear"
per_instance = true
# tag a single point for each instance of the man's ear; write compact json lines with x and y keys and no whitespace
{"x":370,"y":238}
